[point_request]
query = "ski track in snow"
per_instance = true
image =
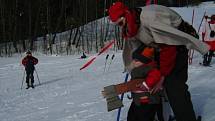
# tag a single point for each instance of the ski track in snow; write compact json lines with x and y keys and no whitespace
{"x":68,"y":94}
{"x":65,"y":93}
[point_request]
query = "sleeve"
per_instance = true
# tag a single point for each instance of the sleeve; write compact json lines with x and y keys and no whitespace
{"x":153,"y":77}
{"x":35,"y":61}
{"x":24,"y":61}
{"x":167,"y":59}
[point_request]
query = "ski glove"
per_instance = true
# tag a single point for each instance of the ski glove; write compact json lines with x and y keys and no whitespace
{"x":158,"y":86}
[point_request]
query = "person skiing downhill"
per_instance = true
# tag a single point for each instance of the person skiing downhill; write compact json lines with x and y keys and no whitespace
{"x":29,"y":61}
{"x":160,"y":26}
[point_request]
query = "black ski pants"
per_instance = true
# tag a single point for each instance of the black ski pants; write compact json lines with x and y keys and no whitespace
{"x":177,"y":89}
{"x":30,"y":75}
{"x":144,"y":112}
{"x":180,"y":101}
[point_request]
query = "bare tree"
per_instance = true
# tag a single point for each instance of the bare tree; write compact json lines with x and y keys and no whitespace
{"x":30,"y":24}
{"x":3,"y":21}
{"x":15,"y":27}
{"x":69,"y":43}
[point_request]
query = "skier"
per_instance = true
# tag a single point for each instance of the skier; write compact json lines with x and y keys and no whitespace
{"x":144,"y":76}
{"x":208,"y":35}
{"x":145,"y":104}
{"x":83,"y":55}
{"x":29,"y":61}
{"x":161,"y":26}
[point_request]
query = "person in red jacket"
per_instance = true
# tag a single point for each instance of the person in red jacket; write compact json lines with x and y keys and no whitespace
{"x":145,"y":104}
{"x":29,"y":61}
{"x":164,"y":28}
{"x":144,"y":76}
{"x":208,"y":36}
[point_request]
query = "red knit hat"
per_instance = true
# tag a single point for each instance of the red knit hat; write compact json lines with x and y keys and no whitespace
{"x":116,"y":11}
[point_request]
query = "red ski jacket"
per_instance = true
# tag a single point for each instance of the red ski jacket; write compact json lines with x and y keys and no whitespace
{"x":27,"y":58}
{"x":167,"y":63}
{"x":167,"y":59}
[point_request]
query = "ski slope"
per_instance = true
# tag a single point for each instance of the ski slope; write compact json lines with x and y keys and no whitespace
{"x":68,"y":94}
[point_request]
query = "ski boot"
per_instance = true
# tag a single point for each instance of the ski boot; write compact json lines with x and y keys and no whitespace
{"x":32,"y":86}
{"x":28,"y":86}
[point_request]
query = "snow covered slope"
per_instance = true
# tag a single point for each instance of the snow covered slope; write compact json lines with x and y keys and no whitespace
{"x":68,"y":94}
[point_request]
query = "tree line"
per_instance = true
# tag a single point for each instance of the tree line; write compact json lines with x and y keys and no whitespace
{"x":23,"y":21}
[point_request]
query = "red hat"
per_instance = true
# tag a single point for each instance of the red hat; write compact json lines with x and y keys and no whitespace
{"x":116,"y":11}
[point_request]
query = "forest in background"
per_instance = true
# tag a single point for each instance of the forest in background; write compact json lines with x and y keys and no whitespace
{"x":23,"y":22}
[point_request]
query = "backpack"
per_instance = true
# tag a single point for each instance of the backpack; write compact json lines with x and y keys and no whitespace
{"x":187,"y":28}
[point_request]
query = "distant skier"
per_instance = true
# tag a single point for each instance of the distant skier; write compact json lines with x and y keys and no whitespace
{"x":29,"y":61}
{"x":83,"y":55}
{"x":208,"y":36}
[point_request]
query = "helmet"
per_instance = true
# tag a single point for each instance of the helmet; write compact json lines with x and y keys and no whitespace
{"x":116,"y":11}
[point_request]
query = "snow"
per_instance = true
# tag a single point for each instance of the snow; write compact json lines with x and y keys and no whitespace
{"x":68,"y":94}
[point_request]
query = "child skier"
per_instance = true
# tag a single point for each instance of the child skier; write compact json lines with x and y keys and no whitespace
{"x":144,"y":76}
{"x":29,"y":61}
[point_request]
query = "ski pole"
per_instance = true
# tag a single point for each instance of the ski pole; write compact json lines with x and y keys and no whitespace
{"x":37,"y":76}
{"x":119,"y":110}
{"x":111,"y":61}
{"x":106,"y":61}
{"x":191,"y":52}
{"x":23,"y":78}
{"x":201,"y":21}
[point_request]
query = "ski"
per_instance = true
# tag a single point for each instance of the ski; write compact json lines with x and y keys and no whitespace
{"x":201,"y":21}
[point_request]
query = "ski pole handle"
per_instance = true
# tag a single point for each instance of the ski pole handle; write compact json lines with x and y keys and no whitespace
{"x":107,"y":56}
{"x":112,"y":56}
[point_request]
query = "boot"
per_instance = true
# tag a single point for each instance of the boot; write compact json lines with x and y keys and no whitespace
{"x":28,"y":86}
{"x":32,"y":85}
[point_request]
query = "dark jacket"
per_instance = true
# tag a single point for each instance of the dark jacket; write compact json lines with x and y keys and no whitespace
{"x":29,"y":62}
